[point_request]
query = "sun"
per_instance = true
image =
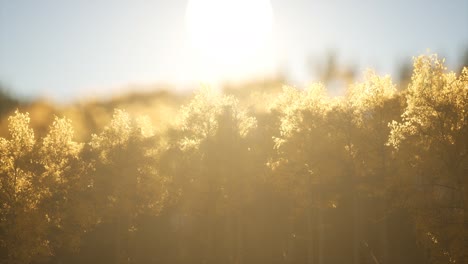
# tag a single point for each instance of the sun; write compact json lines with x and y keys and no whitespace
{"x":228,"y":31}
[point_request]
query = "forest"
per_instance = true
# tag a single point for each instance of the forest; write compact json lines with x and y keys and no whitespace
{"x":259,"y":175}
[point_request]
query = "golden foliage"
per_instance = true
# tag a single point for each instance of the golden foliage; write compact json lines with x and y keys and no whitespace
{"x":222,"y":172}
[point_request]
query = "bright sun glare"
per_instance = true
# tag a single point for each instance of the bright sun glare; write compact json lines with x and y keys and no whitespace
{"x":228,"y":31}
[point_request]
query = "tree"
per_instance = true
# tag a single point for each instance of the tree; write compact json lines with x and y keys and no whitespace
{"x":22,"y":224}
{"x":125,"y":181}
{"x":432,"y":138}
{"x":210,"y":163}
{"x":303,"y":167}
{"x":64,"y":176}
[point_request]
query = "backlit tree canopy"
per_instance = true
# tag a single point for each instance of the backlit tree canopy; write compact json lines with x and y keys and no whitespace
{"x":378,"y":175}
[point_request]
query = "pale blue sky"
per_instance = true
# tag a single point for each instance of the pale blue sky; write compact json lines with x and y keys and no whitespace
{"x":67,"y":49}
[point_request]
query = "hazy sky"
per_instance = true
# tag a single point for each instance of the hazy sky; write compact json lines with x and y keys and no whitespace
{"x":67,"y":49}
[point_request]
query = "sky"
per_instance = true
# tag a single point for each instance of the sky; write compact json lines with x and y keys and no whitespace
{"x":65,"y":50}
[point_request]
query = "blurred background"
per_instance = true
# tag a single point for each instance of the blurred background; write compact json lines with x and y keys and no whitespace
{"x":66,"y":51}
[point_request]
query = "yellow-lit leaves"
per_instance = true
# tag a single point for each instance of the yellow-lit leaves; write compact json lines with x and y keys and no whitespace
{"x":294,"y":105}
{"x":117,"y":133}
{"x":15,"y":158}
{"x":120,"y":131}
{"x":22,"y":136}
{"x":58,"y":149}
{"x":200,"y":118}
{"x":369,"y":96}
{"x":437,"y":104}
